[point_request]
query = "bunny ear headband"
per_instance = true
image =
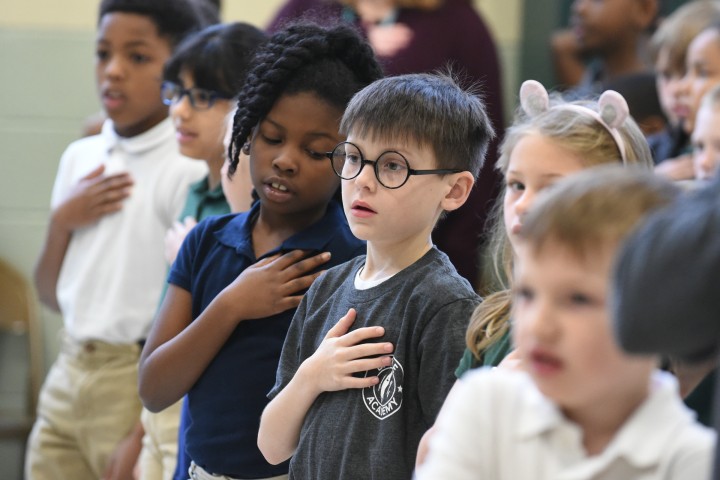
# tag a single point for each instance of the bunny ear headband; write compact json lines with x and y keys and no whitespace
{"x":613,"y":108}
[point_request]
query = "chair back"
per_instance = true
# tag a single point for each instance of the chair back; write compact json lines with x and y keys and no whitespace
{"x":19,"y":317}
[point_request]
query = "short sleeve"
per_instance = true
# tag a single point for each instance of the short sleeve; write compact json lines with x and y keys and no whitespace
{"x":182,"y":269}
{"x":172,"y":187}
{"x":62,"y":181}
{"x":442,"y":345}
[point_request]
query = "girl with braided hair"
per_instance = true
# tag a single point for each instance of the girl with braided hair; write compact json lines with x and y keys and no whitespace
{"x":238,"y":278}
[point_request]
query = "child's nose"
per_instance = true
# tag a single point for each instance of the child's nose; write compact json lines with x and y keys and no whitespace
{"x":366,"y":178}
{"x":674,"y":85}
{"x":181,"y":108}
{"x":683,"y":85}
{"x":540,"y":321}
{"x":286,"y":162}
{"x":114,"y":67}
{"x":524,"y":203}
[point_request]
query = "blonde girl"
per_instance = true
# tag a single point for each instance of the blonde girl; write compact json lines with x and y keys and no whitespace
{"x":549,"y":139}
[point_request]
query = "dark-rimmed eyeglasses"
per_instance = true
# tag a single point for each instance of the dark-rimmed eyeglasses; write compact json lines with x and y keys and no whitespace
{"x":392,"y":169}
{"x":200,"y":99}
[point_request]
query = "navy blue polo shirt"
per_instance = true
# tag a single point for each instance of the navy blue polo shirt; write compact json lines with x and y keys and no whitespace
{"x":226,"y":402}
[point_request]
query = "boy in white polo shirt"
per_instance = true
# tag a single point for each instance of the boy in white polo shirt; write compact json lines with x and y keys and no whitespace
{"x":102,"y":265}
{"x":581,"y":408}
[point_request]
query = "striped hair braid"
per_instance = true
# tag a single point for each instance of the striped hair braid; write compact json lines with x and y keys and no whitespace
{"x":333,"y":62}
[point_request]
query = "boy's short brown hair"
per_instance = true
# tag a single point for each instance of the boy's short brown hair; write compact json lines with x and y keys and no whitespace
{"x":427,"y":109}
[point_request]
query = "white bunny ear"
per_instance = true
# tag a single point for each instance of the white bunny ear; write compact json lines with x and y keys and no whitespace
{"x":613,"y":108}
{"x":533,"y":98}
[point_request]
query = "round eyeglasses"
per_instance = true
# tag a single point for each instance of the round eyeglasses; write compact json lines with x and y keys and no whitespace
{"x":200,"y":99}
{"x":392,"y":170}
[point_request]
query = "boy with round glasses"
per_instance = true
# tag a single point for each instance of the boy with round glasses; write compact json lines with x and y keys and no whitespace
{"x":375,"y":340}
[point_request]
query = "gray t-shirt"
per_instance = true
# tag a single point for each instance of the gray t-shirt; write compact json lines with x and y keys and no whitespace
{"x":373,"y":433}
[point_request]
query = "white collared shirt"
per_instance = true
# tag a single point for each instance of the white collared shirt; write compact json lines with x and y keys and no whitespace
{"x":496,"y":425}
{"x":114,"y":269}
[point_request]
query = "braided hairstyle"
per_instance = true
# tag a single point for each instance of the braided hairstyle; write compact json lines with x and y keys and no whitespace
{"x":331,"y":62}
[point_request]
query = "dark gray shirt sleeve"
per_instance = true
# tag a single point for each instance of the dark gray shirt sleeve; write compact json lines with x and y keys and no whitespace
{"x":441,"y":346}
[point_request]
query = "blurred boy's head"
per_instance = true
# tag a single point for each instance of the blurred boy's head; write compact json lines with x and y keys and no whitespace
{"x":605,"y":26}
{"x":668,"y":48}
{"x":134,"y":40}
{"x":706,"y":136}
{"x":396,"y":128}
{"x":562,"y":328}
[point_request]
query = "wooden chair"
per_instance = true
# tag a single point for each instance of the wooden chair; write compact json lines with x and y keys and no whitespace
{"x":19,"y":322}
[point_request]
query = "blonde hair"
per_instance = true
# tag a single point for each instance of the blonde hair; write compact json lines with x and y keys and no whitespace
{"x":678,"y":30}
{"x":596,"y":210}
{"x":583,"y":135}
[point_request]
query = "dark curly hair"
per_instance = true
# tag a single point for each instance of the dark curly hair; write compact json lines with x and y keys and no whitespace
{"x":332,"y":62}
{"x":174,"y":19}
{"x":218,"y":57}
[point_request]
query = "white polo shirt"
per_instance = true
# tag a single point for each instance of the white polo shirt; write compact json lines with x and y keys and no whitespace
{"x":497,"y":425}
{"x":114,"y":269}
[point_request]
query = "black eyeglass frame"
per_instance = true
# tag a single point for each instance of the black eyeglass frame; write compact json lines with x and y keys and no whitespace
{"x":180,"y":92}
{"x":364,"y":161}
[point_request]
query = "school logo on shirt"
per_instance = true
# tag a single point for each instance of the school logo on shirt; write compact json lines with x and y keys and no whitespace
{"x":385,"y":398}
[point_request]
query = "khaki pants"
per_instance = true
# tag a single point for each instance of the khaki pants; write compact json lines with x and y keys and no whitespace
{"x":198,"y":473}
{"x":160,"y":443}
{"x":88,"y":403}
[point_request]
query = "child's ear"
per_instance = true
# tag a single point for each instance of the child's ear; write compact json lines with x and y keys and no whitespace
{"x":460,"y":186}
{"x":647,"y":11}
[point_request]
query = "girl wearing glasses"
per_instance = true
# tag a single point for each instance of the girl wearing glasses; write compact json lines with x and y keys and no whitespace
{"x":201,"y":80}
